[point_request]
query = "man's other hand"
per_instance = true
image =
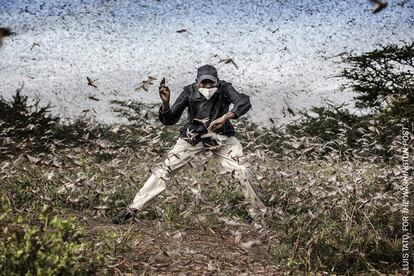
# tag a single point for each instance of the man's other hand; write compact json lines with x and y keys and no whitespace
{"x":218,"y":123}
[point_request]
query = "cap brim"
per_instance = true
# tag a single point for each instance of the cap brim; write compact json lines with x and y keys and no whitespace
{"x":207,"y":77}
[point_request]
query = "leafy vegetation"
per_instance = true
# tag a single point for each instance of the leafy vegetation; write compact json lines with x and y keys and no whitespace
{"x":45,"y":245}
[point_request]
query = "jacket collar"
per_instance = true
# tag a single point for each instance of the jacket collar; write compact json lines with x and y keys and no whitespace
{"x":196,"y":93}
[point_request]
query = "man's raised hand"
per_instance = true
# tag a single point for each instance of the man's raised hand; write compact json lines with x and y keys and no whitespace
{"x":164,"y":94}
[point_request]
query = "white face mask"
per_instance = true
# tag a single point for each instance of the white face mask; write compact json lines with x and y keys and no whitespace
{"x":207,"y":92}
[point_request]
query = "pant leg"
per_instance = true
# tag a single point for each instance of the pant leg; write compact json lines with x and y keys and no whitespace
{"x":182,"y":153}
{"x":231,"y":157}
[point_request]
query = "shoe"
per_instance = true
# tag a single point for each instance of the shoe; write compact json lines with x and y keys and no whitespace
{"x":123,"y":216}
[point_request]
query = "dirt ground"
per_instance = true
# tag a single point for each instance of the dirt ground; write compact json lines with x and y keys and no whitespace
{"x":147,"y":248}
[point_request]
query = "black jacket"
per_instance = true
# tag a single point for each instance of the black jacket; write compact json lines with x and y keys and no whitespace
{"x":199,"y":108}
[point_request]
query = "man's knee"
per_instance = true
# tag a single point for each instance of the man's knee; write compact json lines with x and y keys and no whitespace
{"x":162,"y":170}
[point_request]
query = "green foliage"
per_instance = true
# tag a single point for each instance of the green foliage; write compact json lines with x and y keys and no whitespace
{"x":24,"y":116}
{"x":384,"y":79}
{"x":49,"y":246}
{"x":21,"y":121}
{"x":28,"y":127}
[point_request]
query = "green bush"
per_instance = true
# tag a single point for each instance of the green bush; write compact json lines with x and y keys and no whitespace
{"x":47,"y":246}
{"x":383,"y":79}
{"x":28,"y":127}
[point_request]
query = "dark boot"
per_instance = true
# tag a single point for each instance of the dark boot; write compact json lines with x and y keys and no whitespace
{"x":123,"y":216}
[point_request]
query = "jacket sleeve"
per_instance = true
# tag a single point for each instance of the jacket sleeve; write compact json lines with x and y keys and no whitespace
{"x":173,"y":114}
{"x":241,"y":101}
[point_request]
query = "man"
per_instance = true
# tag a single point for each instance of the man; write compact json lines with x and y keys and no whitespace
{"x":208,"y":128}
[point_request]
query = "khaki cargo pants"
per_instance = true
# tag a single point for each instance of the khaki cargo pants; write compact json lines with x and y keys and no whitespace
{"x":231,"y":157}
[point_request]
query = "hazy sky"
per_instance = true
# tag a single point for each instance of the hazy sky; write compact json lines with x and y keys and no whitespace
{"x":280,"y":48}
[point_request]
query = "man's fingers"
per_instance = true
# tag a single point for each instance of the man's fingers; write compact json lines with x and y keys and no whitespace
{"x":215,"y":125}
{"x":164,"y":92}
{"x":211,"y":127}
{"x":164,"y":88}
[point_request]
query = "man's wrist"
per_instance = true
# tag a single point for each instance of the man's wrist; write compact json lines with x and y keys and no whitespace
{"x":165,"y":107}
{"x":229,"y":115}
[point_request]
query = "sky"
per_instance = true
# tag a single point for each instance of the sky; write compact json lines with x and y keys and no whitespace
{"x":284,"y":50}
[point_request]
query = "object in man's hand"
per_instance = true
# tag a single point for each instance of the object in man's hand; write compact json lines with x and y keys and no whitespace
{"x":162,"y":83}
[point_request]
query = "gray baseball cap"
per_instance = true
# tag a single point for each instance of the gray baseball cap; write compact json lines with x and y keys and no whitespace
{"x":207,"y":72}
